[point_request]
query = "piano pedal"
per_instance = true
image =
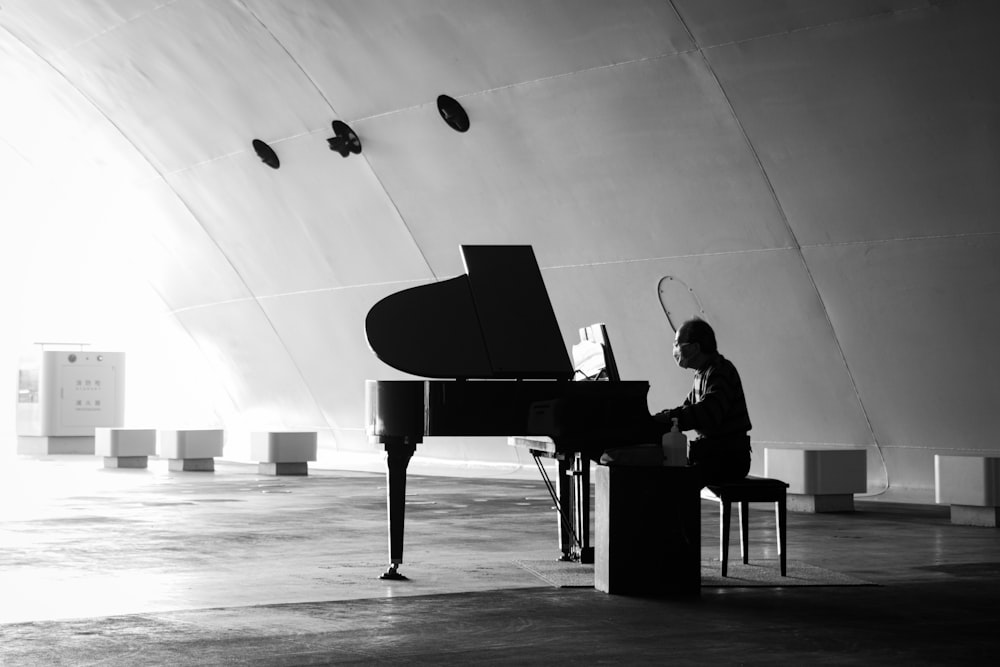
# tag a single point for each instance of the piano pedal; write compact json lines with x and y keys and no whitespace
{"x":583,"y":556}
{"x":393,"y":574}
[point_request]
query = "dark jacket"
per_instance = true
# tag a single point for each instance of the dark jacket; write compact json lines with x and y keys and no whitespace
{"x":716,"y":408}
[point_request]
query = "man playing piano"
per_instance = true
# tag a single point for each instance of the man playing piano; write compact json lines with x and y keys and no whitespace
{"x":716,"y":408}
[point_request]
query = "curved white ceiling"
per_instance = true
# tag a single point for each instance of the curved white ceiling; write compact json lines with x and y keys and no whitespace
{"x":821,"y":174}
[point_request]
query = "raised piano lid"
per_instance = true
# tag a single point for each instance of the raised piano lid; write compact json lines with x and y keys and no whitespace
{"x":496,"y":321}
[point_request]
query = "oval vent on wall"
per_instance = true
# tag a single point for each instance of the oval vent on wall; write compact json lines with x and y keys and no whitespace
{"x":679,"y":302}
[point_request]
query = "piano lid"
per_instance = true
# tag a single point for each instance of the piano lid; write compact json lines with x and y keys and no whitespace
{"x":496,"y":321}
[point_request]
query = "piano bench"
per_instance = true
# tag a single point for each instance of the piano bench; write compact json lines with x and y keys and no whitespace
{"x":283,"y":452}
{"x":125,"y":447}
{"x":748,"y":490}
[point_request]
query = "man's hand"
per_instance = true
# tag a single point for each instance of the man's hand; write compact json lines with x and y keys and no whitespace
{"x":662,"y":417}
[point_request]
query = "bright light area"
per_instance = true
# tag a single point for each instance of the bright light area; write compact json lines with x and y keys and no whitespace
{"x":74,"y":271}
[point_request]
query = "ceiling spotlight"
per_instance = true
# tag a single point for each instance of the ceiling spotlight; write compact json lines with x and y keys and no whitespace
{"x":346,"y":141}
{"x":453,"y":113}
{"x":266,"y":154}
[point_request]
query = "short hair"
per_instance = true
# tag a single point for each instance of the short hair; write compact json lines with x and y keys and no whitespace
{"x":699,"y":331}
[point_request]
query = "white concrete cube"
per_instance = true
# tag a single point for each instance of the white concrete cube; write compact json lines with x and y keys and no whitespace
{"x":116,"y":442}
{"x":283,"y":446}
{"x":191,"y":444}
{"x":967,"y":480}
{"x":283,"y":452}
{"x":818,"y":471}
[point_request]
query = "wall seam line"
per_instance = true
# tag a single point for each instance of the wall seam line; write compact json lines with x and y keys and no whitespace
{"x":791,"y":232}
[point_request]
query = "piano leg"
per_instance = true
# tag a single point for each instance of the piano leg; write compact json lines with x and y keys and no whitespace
{"x":398,"y":454}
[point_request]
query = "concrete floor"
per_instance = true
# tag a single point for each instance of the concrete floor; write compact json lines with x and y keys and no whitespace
{"x":150,"y":567}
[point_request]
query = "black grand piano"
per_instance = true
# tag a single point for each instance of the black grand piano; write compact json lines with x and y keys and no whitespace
{"x":491,"y":340}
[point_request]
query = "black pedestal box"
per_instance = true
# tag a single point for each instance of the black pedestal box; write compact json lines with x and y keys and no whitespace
{"x":648,"y":531}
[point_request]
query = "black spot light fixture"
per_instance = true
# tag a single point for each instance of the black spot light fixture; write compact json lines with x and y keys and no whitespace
{"x":453,"y":113}
{"x":345,"y":140}
{"x":266,"y":154}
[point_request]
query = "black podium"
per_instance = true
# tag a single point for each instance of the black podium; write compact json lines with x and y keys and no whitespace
{"x":648,"y":531}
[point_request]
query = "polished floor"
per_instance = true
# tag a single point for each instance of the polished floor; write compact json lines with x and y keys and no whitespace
{"x":151,"y":567}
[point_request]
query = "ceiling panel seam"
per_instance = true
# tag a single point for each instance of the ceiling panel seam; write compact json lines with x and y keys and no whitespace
{"x":517,"y":84}
{"x":552,"y":77}
{"x":791,"y":232}
{"x":660,"y":258}
{"x":343,"y":288}
{"x":118,"y":26}
{"x":904,"y":239}
{"x":317,"y":290}
{"x":288,"y":53}
{"x":808,"y":443}
{"x":888,"y":13}
{"x":227,"y":156}
{"x":16,"y":152}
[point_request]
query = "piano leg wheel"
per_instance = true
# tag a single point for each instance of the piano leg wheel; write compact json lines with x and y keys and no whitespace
{"x":393,"y":574}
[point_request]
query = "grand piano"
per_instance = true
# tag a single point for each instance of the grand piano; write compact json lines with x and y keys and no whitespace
{"x":490,"y":340}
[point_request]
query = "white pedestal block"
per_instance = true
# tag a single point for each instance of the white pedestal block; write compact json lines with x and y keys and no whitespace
{"x":43,"y":445}
{"x":819,"y":480}
{"x":971,"y":485}
{"x":191,"y":449}
{"x":283,"y":452}
{"x":826,"y":502}
{"x":126,"y":461}
{"x":966,"y":515}
{"x":125,"y":447}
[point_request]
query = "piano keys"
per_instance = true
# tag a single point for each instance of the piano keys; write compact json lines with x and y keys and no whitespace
{"x":491,"y":341}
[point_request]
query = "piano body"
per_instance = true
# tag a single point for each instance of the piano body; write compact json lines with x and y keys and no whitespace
{"x":491,"y":341}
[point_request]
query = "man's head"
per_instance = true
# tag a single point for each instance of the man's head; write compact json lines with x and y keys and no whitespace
{"x":694,"y":343}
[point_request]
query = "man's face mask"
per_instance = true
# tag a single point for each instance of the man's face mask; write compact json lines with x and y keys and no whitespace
{"x":683,"y":353}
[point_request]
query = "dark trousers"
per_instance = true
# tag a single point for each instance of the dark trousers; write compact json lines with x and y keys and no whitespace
{"x":718,"y":460}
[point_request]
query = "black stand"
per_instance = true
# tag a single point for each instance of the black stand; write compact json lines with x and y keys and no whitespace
{"x":648,"y":528}
{"x":571,"y":496}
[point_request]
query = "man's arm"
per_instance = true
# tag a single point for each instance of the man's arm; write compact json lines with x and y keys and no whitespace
{"x":666,"y":416}
{"x":716,"y":410}
{"x":708,"y":413}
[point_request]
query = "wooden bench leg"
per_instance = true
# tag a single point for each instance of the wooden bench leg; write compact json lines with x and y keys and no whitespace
{"x":781,"y":516}
{"x":745,"y":531}
{"x":725,"y":513}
